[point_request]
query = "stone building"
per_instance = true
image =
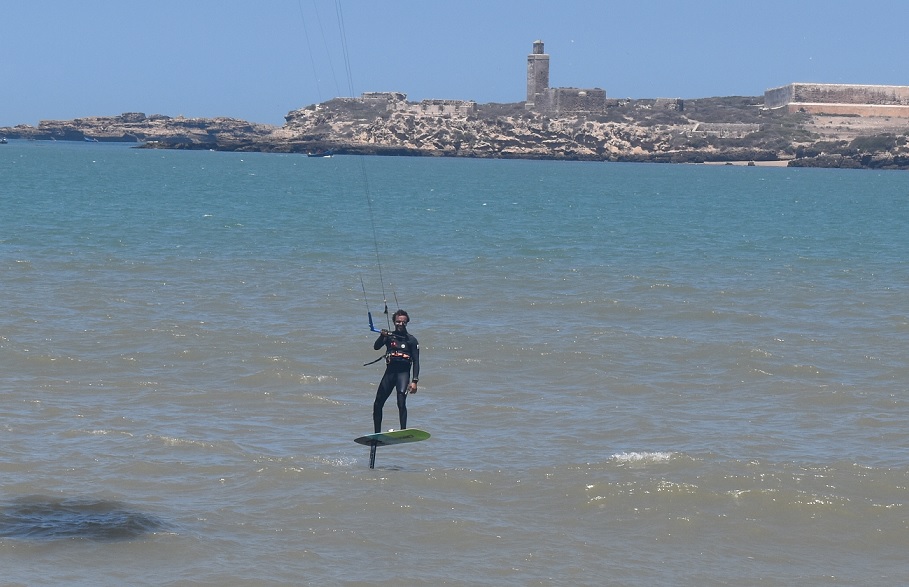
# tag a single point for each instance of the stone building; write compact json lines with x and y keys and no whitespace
{"x":397,"y":102}
{"x":542,"y":98}
{"x":386,"y":97}
{"x":451,"y":108}
{"x":841,"y":99}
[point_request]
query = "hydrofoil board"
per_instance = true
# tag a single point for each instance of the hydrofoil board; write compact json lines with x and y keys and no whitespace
{"x":394,"y":437}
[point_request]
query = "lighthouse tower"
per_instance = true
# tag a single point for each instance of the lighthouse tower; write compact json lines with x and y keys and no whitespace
{"x":537,"y":75}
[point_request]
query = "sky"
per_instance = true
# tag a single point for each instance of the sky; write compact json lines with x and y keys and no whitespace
{"x":257,"y":60}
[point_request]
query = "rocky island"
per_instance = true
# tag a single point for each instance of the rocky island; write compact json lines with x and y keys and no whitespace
{"x":818,"y":125}
{"x":709,"y":130}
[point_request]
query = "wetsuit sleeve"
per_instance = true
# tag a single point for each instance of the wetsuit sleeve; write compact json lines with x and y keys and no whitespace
{"x":415,"y":353}
{"x":380,"y":342}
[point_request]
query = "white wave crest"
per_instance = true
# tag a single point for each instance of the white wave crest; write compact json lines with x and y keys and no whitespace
{"x":642,"y":457}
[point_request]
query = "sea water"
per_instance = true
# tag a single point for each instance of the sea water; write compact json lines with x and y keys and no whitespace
{"x":633,"y":375}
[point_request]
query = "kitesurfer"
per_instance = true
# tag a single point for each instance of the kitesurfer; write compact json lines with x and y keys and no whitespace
{"x":402,"y":352}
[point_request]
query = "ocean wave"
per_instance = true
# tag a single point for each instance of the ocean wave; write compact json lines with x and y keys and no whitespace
{"x":642,"y":457}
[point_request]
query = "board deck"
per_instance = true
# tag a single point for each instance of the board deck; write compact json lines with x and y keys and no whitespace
{"x":396,"y":437}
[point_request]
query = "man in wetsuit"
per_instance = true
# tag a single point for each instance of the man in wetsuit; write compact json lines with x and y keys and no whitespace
{"x":402,"y":351}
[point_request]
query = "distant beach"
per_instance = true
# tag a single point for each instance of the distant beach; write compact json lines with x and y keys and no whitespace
{"x":750,"y":163}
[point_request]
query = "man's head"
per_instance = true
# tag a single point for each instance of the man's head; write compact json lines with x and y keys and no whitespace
{"x":400,"y":319}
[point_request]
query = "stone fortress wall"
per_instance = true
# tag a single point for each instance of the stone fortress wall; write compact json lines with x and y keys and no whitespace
{"x":397,"y":101}
{"x":840,"y":99}
{"x":570,"y":100}
{"x":454,"y":108}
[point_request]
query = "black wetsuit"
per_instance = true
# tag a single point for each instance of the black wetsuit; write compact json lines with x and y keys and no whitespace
{"x":402,"y":352}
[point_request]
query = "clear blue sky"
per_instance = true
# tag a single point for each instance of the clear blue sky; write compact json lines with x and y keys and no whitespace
{"x":259,"y":59}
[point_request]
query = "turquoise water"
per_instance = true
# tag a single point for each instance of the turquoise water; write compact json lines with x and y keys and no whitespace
{"x":633,"y":374}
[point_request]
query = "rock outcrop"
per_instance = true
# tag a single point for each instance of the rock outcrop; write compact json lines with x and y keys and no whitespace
{"x":728,"y":129}
{"x":694,"y":131}
{"x":172,"y":132}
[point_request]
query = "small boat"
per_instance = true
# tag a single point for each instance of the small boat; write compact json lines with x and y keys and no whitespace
{"x":325,"y":153}
{"x":3,"y":141}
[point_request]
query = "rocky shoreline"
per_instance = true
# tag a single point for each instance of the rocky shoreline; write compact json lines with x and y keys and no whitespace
{"x":710,"y":130}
